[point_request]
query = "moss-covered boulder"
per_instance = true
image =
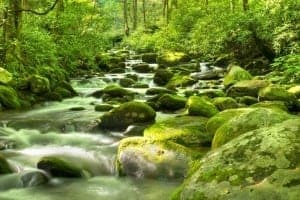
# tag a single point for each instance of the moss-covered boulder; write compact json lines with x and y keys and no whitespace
{"x":171,"y":102}
{"x":116,"y":93}
{"x":59,"y":167}
{"x":247,"y":88}
{"x":215,"y":122}
{"x":224,"y":103}
{"x":180,"y":81}
{"x":247,"y":100}
{"x":295,"y":90}
{"x":200,"y":106}
{"x":103,"y":107}
{"x":189,"y":131}
{"x":4,"y":166}
{"x":9,"y":98}
{"x":246,"y":161}
{"x":159,"y":91}
{"x":143,"y":158}
{"x":253,"y":119}
{"x":142,"y":68}
{"x":5,"y":76}
{"x":277,"y":93}
{"x":235,"y":75}
{"x":126,"y":82}
{"x":212,"y":93}
{"x":172,"y":58}
{"x":127,"y":114}
{"x":149,"y":57}
{"x":271,"y":104}
{"x":39,"y":85}
{"x":162,"y":77}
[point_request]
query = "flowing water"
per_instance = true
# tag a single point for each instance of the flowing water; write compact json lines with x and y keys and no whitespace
{"x":53,"y":128}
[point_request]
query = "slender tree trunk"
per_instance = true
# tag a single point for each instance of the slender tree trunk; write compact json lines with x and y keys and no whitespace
{"x":166,"y":10}
{"x":245,"y":5}
{"x":232,"y":5}
{"x":206,"y":2}
{"x":144,"y":12}
{"x":125,"y":11}
{"x":135,"y":14}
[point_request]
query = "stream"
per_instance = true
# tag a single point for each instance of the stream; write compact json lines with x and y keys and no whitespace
{"x":58,"y":128}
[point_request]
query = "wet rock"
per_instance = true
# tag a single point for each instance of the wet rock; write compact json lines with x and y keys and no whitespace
{"x":117,"y":70}
{"x":9,"y":98}
{"x":129,"y":113}
{"x":189,"y":131}
{"x":253,"y":119}
{"x":235,"y":75}
{"x":103,"y":107}
{"x":159,"y":91}
{"x":271,"y":104}
{"x":39,"y":84}
{"x":78,"y":108}
{"x":171,"y":102}
{"x":144,"y":158}
{"x":32,"y":179}
{"x":132,"y":76}
{"x":180,"y":81}
{"x":142,"y":68}
{"x":149,"y":57}
{"x":224,"y":60}
{"x":256,"y":158}
{"x":247,"y":100}
{"x":116,"y":93}
{"x":5,"y":76}
{"x":247,"y":88}
{"x":4,"y":166}
{"x":208,"y":75}
{"x":126,"y":82}
{"x":212,"y":93}
{"x":59,"y":167}
{"x":162,"y":77}
{"x":200,"y":106}
{"x":135,"y":130}
{"x":140,"y":85}
{"x":224,"y":103}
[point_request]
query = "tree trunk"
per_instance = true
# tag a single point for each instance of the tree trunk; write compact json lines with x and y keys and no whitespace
{"x":144,"y":12}
{"x":125,"y":11}
{"x":245,"y":5}
{"x":166,"y":10}
{"x":232,"y":5}
{"x":135,"y":14}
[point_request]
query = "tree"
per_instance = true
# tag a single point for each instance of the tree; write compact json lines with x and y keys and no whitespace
{"x":135,"y":14}
{"x":245,"y":5}
{"x":125,"y":12}
{"x":144,"y":12}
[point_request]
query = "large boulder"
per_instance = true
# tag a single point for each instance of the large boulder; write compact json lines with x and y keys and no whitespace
{"x":180,"y":81}
{"x":253,"y":119}
{"x":144,"y":158}
{"x":142,"y":68}
{"x":39,"y":84}
{"x":126,"y":82}
{"x":4,"y":166}
{"x":127,"y":114}
{"x":224,"y":103}
{"x":200,"y":106}
{"x":162,"y":77}
{"x":159,"y":91}
{"x":9,"y":98}
{"x":189,"y":131}
{"x":247,"y":88}
{"x":172,"y":58}
{"x":149,"y":57}
{"x":252,"y":159}
{"x":235,"y":75}
{"x":171,"y":102}
{"x":115,"y":93}
{"x":5,"y":76}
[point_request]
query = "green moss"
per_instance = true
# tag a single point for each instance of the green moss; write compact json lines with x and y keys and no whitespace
{"x":224,"y":103}
{"x":9,"y":98}
{"x":186,"y":130}
{"x":276,"y":93}
{"x":58,"y":167}
{"x":116,"y":91}
{"x":171,"y":102}
{"x":235,"y":75}
{"x":247,"y":88}
{"x":180,"y":81}
{"x":127,"y":114}
{"x":5,"y":76}
{"x":162,"y":77}
{"x":103,"y":107}
{"x":4,"y":166}
{"x":172,"y":58}
{"x":295,"y":90}
{"x":39,"y":84}
{"x":199,"y":106}
{"x":271,"y":104}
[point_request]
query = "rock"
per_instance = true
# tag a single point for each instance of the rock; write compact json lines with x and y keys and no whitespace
{"x":171,"y":102}
{"x":277,"y":93}
{"x":39,"y":84}
{"x":78,"y":108}
{"x":224,"y":60}
{"x":247,"y":88}
{"x":247,"y":100}
{"x":9,"y":98}
{"x":5,"y":76}
{"x":4,"y":166}
{"x":59,"y":167}
{"x":252,"y":159}
{"x":199,"y":106}
{"x":295,"y":90}
{"x":135,"y":130}
{"x":172,"y":58}
{"x":159,"y":91}
{"x":271,"y":104}
{"x":212,"y":93}
{"x":117,"y":70}
{"x":253,"y":119}
{"x":126,"y":82}
{"x":103,"y":107}
{"x":235,"y":75}
{"x":32,"y":179}
{"x":143,"y":158}
{"x":140,"y":85}
{"x":116,"y":93}
{"x":215,"y":122}
{"x":189,"y":131}
{"x":132,"y":76}
{"x":162,"y":77}
{"x":149,"y":57}
{"x":62,"y":92}
{"x":207,"y":75}
{"x":224,"y":103}
{"x":180,"y":81}
{"x":129,"y":113}
{"x":142,"y":68}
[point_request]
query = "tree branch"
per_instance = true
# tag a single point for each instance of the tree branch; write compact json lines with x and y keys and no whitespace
{"x":40,"y":13}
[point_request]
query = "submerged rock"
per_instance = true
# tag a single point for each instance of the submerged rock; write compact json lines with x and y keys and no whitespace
{"x":241,"y":168}
{"x":129,"y":113}
{"x":235,"y":75}
{"x":4,"y":166}
{"x":200,"y":106}
{"x":189,"y":131}
{"x":144,"y":158}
